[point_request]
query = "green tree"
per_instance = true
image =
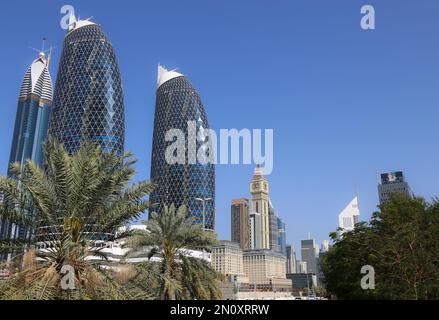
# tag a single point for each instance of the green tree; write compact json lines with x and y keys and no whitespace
{"x":76,"y":200}
{"x":400,"y":242}
{"x":177,"y":275}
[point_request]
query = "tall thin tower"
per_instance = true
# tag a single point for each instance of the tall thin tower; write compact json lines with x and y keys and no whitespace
{"x":31,"y":122}
{"x":259,"y":189}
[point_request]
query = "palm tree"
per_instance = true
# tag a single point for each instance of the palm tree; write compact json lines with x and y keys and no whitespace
{"x":75,"y":203}
{"x":177,"y":275}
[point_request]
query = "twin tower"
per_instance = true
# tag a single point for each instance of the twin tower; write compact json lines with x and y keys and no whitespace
{"x":88,"y":105}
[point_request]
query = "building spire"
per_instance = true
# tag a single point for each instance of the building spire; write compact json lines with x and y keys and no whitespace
{"x":49,"y":57}
{"x":258,"y":170}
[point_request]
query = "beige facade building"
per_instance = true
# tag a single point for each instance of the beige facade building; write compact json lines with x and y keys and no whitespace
{"x":266,"y":270}
{"x":240,"y":226}
{"x":259,"y":189}
{"x":227,"y":259}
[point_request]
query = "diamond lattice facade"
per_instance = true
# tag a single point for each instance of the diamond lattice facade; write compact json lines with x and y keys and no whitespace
{"x":178,"y":103}
{"x":88,"y":101}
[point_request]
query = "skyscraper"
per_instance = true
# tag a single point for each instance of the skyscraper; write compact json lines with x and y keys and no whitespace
{"x":282,"y":239}
{"x":88,"y":102}
{"x":240,"y":226}
{"x":291,"y":259}
{"x":259,"y":189}
{"x":31,"y":122}
{"x":349,"y":216}
{"x":255,"y":230}
{"x":302,"y":267}
{"x":392,"y":182}
{"x":325,"y":247}
{"x":190,"y":182}
{"x":274,"y":228}
{"x":309,"y":255}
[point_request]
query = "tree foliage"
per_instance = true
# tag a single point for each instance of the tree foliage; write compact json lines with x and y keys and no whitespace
{"x":177,"y":274}
{"x":72,"y":202}
{"x":400,"y":243}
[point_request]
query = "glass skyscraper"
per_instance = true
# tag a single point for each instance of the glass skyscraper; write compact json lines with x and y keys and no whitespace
{"x":282,"y":240}
{"x":88,"y":103}
{"x":188,"y":183}
{"x":31,"y":122}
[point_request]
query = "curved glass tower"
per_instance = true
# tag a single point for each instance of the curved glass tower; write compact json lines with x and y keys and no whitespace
{"x":31,"y":122}
{"x":191,"y":184}
{"x":88,"y":103}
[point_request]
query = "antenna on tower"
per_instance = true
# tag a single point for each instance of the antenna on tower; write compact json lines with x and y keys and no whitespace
{"x":49,"y":57}
{"x":42,"y":51}
{"x":44,"y":44}
{"x":356,"y":188}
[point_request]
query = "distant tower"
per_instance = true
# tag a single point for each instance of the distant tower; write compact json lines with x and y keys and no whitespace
{"x":302,"y":267}
{"x":393,"y":182}
{"x":255,"y":230}
{"x":325,"y":246}
{"x":259,"y":189}
{"x":349,"y":216}
{"x":282,"y":237}
{"x":310,"y":254}
{"x":291,"y":259}
{"x":191,"y":183}
{"x":31,"y":122}
{"x":240,"y":222}
{"x":88,"y":102}
{"x":274,"y":231}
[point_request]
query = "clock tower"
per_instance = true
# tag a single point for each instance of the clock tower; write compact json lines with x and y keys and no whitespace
{"x":259,"y":189}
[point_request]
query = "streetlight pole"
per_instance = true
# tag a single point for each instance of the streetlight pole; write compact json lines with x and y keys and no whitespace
{"x":204,"y":200}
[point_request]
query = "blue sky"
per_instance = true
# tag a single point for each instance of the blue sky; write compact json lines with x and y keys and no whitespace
{"x":345,"y":104}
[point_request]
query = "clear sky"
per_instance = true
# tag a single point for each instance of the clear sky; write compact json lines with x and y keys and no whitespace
{"x":345,"y":104}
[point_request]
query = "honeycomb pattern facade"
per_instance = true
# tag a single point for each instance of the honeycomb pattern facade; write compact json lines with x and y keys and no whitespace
{"x":88,"y":103}
{"x":177,"y":102}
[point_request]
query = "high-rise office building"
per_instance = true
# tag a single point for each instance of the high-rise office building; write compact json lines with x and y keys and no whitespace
{"x":255,"y":230}
{"x":349,"y":216}
{"x":282,"y":239}
{"x":265,"y":270}
{"x":88,"y":103}
{"x":227,"y":259}
{"x":291,"y":259}
{"x":274,"y":228}
{"x":392,"y":182}
{"x":323,"y":250}
{"x":310,"y":255}
{"x":240,"y":222}
{"x":31,"y":122}
{"x":302,"y":267}
{"x":191,"y":180}
{"x":325,"y":246}
{"x":259,"y":189}
{"x":32,"y":119}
